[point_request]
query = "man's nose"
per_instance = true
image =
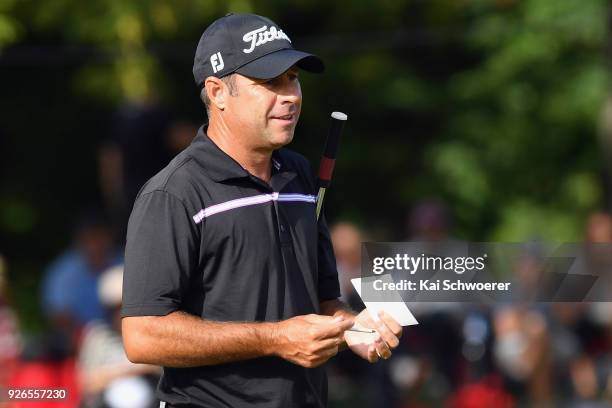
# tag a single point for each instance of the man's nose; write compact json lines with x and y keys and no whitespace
{"x":291,"y":92}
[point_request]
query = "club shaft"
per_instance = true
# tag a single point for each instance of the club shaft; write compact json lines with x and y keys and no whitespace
{"x":328,"y":160}
{"x":320,"y":197}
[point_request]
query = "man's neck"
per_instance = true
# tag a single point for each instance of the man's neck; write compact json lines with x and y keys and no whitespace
{"x":256,"y":162}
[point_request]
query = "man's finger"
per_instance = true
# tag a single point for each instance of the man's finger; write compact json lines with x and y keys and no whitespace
{"x":394,"y":326}
{"x":333,"y":329}
{"x":330,"y":352}
{"x":366,"y":320}
{"x":387,"y":335}
{"x":344,"y":326}
{"x":372,"y":354}
{"x":328,"y":344}
{"x":325,"y":354}
{"x":382,"y":348}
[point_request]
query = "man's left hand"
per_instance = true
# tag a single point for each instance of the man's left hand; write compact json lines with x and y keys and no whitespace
{"x":372,"y":346}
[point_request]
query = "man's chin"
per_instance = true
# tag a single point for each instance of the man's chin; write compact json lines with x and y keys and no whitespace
{"x":282,"y":139}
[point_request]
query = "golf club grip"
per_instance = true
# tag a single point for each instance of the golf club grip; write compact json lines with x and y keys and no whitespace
{"x":326,"y":168}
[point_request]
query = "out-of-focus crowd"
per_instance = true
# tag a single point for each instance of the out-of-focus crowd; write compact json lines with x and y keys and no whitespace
{"x":464,"y":355}
{"x":80,"y":290}
{"x":460,"y":355}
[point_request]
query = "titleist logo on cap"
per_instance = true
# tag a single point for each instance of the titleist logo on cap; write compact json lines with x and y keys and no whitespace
{"x":249,"y":45}
{"x":261,"y":36}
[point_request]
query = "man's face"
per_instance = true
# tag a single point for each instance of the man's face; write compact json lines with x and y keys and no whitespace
{"x":265,"y":112}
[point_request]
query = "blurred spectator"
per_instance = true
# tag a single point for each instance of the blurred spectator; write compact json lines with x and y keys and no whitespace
{"x":347,"y":238}
{"x":9,"y":338}
{"x":433,"y":347}
{"x":180,"y":135}
{"x":428,"y":221}
{"x":598,"y":237}
{"x":108,"y":378}
{"x":599,"y":228}
{"x":22,"y":368}
{"x":353,"y":381}
{"x":590,"y":366}
{"x":142,"y":141}
{"x":135,"y":151}
{"x":487,"y":393}
{"x":522,"y":352}
{"x":69,"y":290}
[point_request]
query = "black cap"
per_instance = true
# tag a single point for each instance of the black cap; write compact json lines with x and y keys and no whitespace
{"x":250,"y":45}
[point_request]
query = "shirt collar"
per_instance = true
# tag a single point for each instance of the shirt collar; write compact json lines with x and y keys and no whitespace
{"x":220,"y":166}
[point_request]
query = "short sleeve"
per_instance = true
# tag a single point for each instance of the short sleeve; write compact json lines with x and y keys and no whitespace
{"x":160,"y":255}
{"x":329,"y":288}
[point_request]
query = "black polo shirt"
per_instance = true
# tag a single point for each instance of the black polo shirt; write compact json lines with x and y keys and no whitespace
{"x":208,"y":238}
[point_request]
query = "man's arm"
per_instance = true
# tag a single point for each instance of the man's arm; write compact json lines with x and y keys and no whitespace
{"x":182,"y":340}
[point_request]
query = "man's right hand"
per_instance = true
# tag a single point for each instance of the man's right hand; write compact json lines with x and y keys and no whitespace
{"x":311,"y":340}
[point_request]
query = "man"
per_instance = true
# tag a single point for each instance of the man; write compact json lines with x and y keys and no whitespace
{"x":103,"y":369}
{"x":69,"y":288}
{"x":230,"y":281}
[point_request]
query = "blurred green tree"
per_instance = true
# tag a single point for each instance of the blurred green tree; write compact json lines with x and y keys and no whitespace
{"x":491,"y":106}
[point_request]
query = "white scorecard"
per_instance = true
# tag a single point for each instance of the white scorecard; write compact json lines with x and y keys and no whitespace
{"x":395,"y":307}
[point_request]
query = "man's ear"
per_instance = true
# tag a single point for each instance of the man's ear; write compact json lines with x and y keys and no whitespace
{"x":215,"y":88}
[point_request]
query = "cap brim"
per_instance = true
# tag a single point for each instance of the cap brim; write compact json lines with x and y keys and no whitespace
{"x":272,"y":65}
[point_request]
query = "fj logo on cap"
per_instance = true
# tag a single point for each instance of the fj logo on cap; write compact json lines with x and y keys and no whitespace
{"x":261,"y":36}
{"x":216,"y":62}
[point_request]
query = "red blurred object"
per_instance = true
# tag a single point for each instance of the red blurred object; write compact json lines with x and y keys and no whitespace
{"x":483,"y":394}
{"x":47,"y":375}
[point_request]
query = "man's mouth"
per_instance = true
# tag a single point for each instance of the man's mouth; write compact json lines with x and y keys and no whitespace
{"x":285,"y":118}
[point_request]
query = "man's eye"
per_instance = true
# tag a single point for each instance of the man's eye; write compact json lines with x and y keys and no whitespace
{"x":275,"y":81}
